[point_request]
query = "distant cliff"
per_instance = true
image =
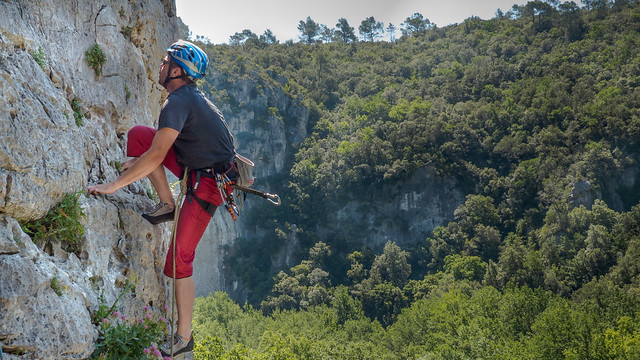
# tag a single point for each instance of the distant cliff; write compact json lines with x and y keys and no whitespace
{"x":270,"y":123}
{"x":265,"y":138}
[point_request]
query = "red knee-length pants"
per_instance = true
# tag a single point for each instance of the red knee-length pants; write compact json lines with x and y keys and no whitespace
{"x":193,"y":218}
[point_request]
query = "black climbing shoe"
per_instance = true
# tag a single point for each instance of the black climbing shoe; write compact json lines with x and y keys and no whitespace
{"x":180,"y":345}
{"x":162,"y":213}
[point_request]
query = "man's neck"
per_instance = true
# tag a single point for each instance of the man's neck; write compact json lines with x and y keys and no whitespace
{"x":175,"y":84}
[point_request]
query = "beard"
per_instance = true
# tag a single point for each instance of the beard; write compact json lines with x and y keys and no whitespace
{"x":162,"y":79}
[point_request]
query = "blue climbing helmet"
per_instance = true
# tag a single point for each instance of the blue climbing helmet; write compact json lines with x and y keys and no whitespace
{"x":190,"y":57}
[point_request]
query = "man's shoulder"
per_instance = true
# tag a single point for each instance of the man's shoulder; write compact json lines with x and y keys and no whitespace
{"x":185,"y":90}
{"x":182,"y":95}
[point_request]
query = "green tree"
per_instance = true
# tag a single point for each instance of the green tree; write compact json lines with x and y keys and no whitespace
{"x":319,"y":254}
{"x":541,"y":11}
{"x":344,"y":32}
{"x":391,"y":30}
{"x":476,"y":210}
{"x":326,"y":34}
{"x":347,"y":308}
{"x":430,"y":327}
{"x":415,"y":24}
{"x":309,"y":30}
{"x":268,"y":37}
{"x":557,"y":330}
{"x":383,"y":302}
{"x":518,"y":310}
{"x":357,"y":272}
{"x":621,"y":342}
{"x":391,"y":266}
{"x":306,"y":284}
{"x":242,"y":37}
{"x":219,"y":316}
{"x":370,"y":29}
{"x":572,"y":20}
{"x":465,"y":267}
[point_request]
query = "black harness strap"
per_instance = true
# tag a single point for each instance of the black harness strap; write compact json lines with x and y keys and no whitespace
{"x":208,"y":173}
{"x":207,"y":206}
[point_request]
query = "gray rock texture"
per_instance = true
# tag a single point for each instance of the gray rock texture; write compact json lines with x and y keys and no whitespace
{"x":47,"y":297}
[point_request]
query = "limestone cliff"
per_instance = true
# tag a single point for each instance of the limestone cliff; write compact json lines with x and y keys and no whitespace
{"x":268,"y":139}
{"x":49,"y":148}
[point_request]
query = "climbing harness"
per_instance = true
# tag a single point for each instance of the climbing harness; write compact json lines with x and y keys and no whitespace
{"x":229,"y":176}
{"x":176,"y":216}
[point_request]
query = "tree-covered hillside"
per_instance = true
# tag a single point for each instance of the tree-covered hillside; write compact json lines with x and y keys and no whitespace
{"x":535,"y":113}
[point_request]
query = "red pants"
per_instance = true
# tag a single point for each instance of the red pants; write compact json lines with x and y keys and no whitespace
{"x":193,"y":218}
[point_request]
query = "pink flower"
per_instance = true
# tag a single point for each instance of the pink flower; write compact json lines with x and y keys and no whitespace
{"x":123,"y":317}
{"x":105,"y":321}
{"x":157,"y":353}
{"x":149,"y":316}
{"x":166,"y":358}
{"x":116,"y":314}
{"x":146,"y":308}
{"x":163,"y":319}
{"x":147,"y":351}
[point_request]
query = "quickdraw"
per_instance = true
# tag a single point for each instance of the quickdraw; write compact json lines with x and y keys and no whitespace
{"x":225,"y":184}
{"x":272,"y":198}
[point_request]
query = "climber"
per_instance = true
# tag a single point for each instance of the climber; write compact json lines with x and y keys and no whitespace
{"x":191,"y":133}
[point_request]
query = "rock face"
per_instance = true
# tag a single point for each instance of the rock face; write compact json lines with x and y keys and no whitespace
{"x":403,"y":212}
{"x":62,"y":126}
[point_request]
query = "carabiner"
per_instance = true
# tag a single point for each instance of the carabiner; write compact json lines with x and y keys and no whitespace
{"x":273,"y":198}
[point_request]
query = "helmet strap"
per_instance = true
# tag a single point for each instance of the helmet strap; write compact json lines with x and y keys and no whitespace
{"x":169,"y":78}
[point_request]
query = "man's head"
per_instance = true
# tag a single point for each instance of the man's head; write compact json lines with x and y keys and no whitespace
{"x":184,"y":61}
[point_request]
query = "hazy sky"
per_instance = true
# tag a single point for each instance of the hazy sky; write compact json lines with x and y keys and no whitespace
{"x":219,"y":19}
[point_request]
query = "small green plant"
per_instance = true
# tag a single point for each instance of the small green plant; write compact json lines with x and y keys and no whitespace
{"x":56,"y":285}
{"x":117,"y":165}
{"x":120,"y":337}
{"x":62,"y":223}
{"x":151,"y":194}
{"x":95,"y":58}
{"x":127,"y":93}
{"x":77,"y":111}
{"x":40,"y":58}
{"x":104,"y":310}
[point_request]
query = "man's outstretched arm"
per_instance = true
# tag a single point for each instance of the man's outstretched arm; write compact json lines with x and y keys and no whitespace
{"x":146,"y":163}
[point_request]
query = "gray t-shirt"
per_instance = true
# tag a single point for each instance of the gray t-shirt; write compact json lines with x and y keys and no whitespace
{"x":204,"y":137}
